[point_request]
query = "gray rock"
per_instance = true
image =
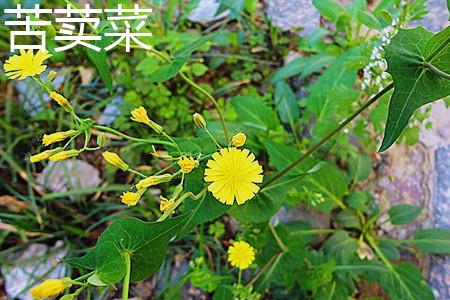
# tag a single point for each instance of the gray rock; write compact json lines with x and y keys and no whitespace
{"x":206,"y":11}
{"x":437,"y":18}
{"x":293,"y":14}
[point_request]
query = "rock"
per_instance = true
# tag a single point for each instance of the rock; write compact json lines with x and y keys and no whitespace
{"x":206,"y":11}
{"x":69,"y":175}
{"x":293,"y":14}
{"x":437,"y":18}
{"x":30,"y":267}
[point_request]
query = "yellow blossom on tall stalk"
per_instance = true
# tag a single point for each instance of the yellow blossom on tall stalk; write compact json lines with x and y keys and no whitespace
{"x":238,"y":140}
{"x":61,"y":100}
{"x":49,"y":139}
{"x":26,"y":64}
{"x":45,"y":154}
{"x":115,"y":160}
{"x":165,"y":204}
{"x":187,"y":164}
{"x":233,"y":173}
{"x":50,"y":288}
{"x":241,"y":255}
{"x":63,"y":155}
{"x":140,"y":115}
{"x":153,"y":180}
{"x":131,"y":198}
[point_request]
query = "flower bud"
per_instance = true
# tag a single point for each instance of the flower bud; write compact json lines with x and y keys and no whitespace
{"x":238,"y":140}
{"x":50,"y":288}
{"x":51,"y":76}
{"x":63,"y":155}
{"x":101,"y":140}
{"x":49,"y":139}
{"x":140,"y":115}
{"x":165,"y":204}
{"x":187,"y":164}
{"x":153,"y":180}
{"x":61,"y":101}
{"x":199,"y":121}
{"x":115,"y":160}
{"x":131,"y":198}
{"x":45,"y":154}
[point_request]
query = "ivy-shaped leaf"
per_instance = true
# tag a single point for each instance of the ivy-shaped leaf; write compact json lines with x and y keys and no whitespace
{"x":145,"y":242}
{"x":414,"y":83}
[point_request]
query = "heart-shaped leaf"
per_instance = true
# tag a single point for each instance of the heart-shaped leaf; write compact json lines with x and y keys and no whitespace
{"x":414,"y":83}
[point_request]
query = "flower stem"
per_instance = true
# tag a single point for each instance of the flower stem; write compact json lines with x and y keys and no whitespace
{"x":131,"y":138}
{"x":328,"y":136}
{"x":437,"y":71}
{"x":126,"y":280}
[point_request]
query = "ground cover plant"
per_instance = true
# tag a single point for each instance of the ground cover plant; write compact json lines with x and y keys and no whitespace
{"x":215,"y":135}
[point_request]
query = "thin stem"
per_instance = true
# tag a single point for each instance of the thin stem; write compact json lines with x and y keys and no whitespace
{"x":210,"y":98}
{"x":131,"y":138}
{"x":240,"y":277}
{"x":213,"y":138}
{"x":266,"y":266}
{"x":437,"y":71}
{"x":173,"y":141}
{"x":179,"y":201}
{"x":137,"y":173}
{"x":328,"y":136}
{"x":126,"y":280}
{"x":277,"y":238}
{"x":380,"y":254}
{"x":438,"y":49}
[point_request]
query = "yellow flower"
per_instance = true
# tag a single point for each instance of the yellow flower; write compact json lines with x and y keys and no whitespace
{"x":233,"y":173}
{"x":50,"y":288}
{"x":165,"y":204}
{"x":238,"y":140}
{"x":187,"y":164}
{"x":241,"y":255}
{"x":153,"y":180}
{"x":26,"y":64}
{"x":115,"y":160}
{"x":131,"y":198}
{"x":61,"y":101}
{"x":49,"y":139}
{"x":45,"y":154}
{"x":64,"y":155}
{"x":199,"y":121}
{"x":140,"y":115}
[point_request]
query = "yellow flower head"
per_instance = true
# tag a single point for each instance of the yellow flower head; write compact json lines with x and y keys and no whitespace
{"x":199,"y":121}
{"x":61,"y":100}
{"x":165,"y":204}
{"x":49,"y":139}
{"x":238,"y":140}
{"x":140,"y":115}
{"x":131,"y":198}
{"x":153,"y":180}
{"x":115,"y":160}
{"x":50,"y":288}
{"x":187,"y":164}
{"x":26,"y":64}
{"x":64,"y":155}
{"x":233,"y":173}
{"x":241,"y":255}
{"x":45,"y":154}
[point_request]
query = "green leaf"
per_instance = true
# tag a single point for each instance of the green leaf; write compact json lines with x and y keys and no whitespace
{"x":341,"y":246}
{"x":303,"y":66}
{"x":286,"y":103}
{"x":402,"y":214}
{"x":369,"y":20}
{"x":358,"y":200}
{"x":254,"y":113}
{"x":329,"y":9}
{"x":146,"y":243}
{"x":389,"y":249}
{"x":405,"y":282}
{"x":348,"y":218}
{"x":100,"y":61}
{"x":360,"y":167}
{"x":414,"y":84}
{"x":434,"y":240}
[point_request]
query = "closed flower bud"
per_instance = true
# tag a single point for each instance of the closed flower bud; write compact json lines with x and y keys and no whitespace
{"x":45,"y":154}
{"x":140,"y":115}
{"x":61,"y":101}
{"x":101,"y":140}
{"x":187,"y":164}
{"x":238,"y":140}
{"x":63,"y":155}
{"x":49,"y":139}
{"x":153,"y":180}
{"x":364,"y":251}
{"x":131,"y":198}
{"x":50,"y":288}
{"x":51,"y":76}
{"x":199,"y":121}
{"x":115,"y":160}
